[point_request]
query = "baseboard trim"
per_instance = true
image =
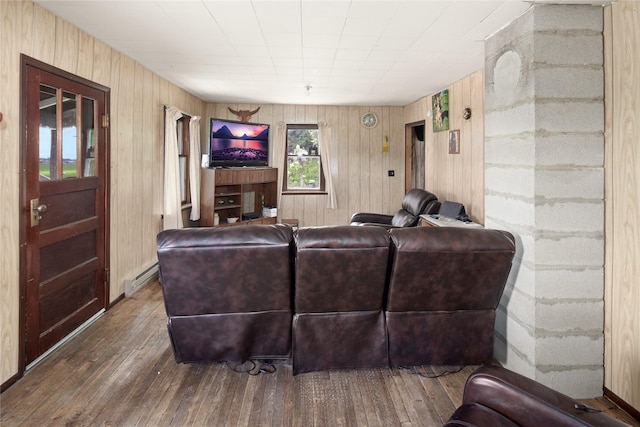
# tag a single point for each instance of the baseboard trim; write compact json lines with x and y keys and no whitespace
{"x":622,"y":404}
{"x":8,"y":383}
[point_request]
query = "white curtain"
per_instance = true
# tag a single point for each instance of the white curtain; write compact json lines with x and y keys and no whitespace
{"x":172,"y":202}
{"x":325,"y":142}
{"x":279,"y":153}
{"x":194,"y":167}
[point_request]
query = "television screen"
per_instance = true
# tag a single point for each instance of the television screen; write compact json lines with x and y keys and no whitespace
{"x":235,"y":143}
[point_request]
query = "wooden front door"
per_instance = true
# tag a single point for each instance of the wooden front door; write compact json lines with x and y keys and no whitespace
{"x":64,"y":200}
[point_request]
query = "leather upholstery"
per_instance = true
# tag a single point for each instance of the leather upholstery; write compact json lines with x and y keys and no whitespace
{"x":522,"y":401}
{"x":364,"y":297}
{"x":415,"y":203}
{"x":445,"y":285}
{"x":472,"y":414}
{"x":340,"y":285}
{"x":227,"y":292}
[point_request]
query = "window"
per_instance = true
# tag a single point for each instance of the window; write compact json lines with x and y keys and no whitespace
{"x":303,"y":168}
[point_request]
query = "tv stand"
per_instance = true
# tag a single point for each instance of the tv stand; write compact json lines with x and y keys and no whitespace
{"x":236,"y":191}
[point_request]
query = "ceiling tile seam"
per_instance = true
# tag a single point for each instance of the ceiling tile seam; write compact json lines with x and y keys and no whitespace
{"x":335,"y":54}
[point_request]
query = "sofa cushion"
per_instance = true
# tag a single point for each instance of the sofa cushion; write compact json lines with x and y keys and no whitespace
{"x":339,"y":297}
{"x":448,"y":268}
{"x":444,"y":286}
{"x":226,"y":269}
{"x":227,"y":292}
{"x":340,"y":268}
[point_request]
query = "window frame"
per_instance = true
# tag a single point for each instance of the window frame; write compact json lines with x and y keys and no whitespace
{"x":184,"y":147}
{"x":285,"y":180}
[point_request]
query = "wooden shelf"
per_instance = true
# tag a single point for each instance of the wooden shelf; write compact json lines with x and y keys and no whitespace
{"x":248,"y":188}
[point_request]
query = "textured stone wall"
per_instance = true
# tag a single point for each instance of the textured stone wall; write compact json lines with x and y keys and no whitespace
{"x":544,"y":181}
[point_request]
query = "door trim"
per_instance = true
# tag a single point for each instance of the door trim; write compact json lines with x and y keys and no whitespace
{"x":24,"y":217}
{"x":408,"y":153}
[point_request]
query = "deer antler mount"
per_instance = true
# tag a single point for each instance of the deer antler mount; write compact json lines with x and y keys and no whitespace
{"x":244,"y":115}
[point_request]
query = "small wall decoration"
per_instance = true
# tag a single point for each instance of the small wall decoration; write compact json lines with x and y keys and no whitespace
{"x":454,"y":141}
{"x":440,"y":107}
{"x":244,"y":115}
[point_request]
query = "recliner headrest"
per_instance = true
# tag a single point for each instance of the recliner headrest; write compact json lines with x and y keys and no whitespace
{"x":416,"y":200}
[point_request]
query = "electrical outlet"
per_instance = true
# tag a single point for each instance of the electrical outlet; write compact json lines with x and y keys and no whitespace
{"x":392,"y":173}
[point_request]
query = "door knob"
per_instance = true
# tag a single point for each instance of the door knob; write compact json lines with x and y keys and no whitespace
{"x":36,"y":210}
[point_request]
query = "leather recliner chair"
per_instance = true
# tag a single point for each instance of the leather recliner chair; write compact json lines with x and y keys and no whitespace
{"x":415,"y":203}
{"x":340,"y":286}
{"x":227,"y":292}
{"x":444,"y":287}
{"x":497,"y":397}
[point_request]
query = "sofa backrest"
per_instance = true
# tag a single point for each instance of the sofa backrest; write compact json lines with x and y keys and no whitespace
{"x":341,"y":268}
{"x":226,"y":269}
{"x":448,"y":268}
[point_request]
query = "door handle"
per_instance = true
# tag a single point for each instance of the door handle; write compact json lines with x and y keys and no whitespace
{"x":36,"y":211}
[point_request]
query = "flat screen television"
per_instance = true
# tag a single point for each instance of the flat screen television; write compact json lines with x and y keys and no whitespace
{"x":234,"y":144}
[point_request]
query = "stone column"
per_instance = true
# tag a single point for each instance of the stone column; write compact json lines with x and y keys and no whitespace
{"x":544,"y":181}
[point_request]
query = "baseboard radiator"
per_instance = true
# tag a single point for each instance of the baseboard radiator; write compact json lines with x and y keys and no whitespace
{"x":132,"y":285}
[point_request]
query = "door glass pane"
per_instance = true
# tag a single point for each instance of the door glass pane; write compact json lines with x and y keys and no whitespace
{"x":69,"y":136}
{"x":88,"y":137}
{"x":48,"y":144}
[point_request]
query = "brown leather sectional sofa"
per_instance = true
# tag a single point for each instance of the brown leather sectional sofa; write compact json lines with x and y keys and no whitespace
{"x":333,"y":297}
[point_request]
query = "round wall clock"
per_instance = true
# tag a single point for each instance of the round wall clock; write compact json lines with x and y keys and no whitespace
{"x":369,"y":120}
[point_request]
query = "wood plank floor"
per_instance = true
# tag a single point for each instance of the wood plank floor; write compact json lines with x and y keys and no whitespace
{"x":120,"y":372}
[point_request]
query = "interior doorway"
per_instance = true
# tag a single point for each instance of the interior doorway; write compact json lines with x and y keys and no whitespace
{"x":415,"y":156}
{"x":64,"y":233}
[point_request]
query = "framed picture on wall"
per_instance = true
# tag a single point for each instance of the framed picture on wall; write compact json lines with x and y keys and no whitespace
{"x":440,"y":111}
{"x":454,"y":141}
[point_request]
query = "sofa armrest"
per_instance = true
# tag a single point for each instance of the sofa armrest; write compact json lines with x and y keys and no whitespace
{"x":527,"y":402}
{"x":363,"y":217}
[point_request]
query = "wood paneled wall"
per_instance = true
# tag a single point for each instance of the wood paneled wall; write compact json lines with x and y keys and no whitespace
{"x":622,"y":193}
{"x":359,"y":166}
{"x":456,"y":177}
{"x":137,"y":131}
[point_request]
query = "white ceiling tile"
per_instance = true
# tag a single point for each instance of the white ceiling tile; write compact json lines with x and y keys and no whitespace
{"x":320,"y":40}
{"x":352,"y":55}
{"x":283,"y":40}
{"x":285,"y":52}
{"x":357,"y":42}
{"x":263,"y":51}
{"x":318,"y":53}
